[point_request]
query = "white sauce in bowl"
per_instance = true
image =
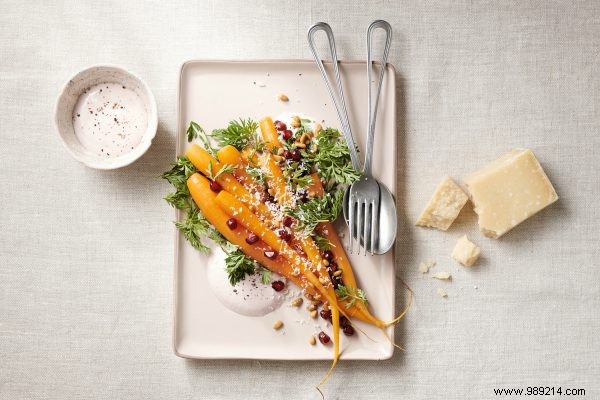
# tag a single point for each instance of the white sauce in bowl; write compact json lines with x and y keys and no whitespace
{"x":110,"y":119}
{"x":249,"y":297}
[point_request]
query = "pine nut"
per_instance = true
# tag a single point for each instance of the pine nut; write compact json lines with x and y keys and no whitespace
{"x":283,"y":97}
{"x":317,"y":128}
{"x":312,"y":307}
{"x":299,"y":145}
{"x":297,"y":302}
{"x":337,"y":273}
{"x":296,"y":123}
{"x":280,"y":151}
{"x":277,"y":325}
{"x":312,"y":341}
{"x":313,"y":314}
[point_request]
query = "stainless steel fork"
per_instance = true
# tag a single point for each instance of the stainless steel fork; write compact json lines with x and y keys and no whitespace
{"x":365,"y":195}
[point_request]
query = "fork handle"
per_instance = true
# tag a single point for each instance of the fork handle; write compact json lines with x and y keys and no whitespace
{"x":373,"y":109}
{"x":338,"y":101}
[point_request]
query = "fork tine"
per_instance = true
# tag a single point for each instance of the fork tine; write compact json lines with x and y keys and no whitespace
{"x":360,"y":219}
{"x":351,"y":221}
{"x":366,"y":228}
{"x":374,"y":225}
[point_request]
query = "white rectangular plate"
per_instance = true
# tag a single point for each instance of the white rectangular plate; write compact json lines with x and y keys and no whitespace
{"x":215,"y":92}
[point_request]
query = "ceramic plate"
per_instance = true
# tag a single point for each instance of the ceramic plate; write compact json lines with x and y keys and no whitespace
{"x":214,"y":92}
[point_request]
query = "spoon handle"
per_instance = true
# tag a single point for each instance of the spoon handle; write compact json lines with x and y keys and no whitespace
{"x":338,"y":101}
{"x":373,"y":110}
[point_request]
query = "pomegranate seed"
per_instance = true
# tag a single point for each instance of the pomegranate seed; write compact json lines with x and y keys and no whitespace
{"x":343,"y":321}
{"x":287,"y":134}
{"x":278,"y":286}
{"x":252,"y":238}
{"x":325,"y":314}
{"x":287,"y":154}
{"x":285,"y":235}
{"x":288,"y":221}
{"x":304,"y":197}
{"x":328,"y":255}
{"x":280,"y":126}
{"x":270,"y":254}
{"x":296,"y":156}
{"x":232,"y":223}
{"x":348,"y":330}
{"x":336,"y":281}
{"x":323,"y":337}
{"x":332,"y":267}
{"x":215,"y":186}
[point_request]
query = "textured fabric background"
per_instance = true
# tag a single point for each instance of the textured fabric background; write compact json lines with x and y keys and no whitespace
{"x":86,"y":256}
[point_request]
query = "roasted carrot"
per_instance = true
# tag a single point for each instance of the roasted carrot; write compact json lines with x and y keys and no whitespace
{"x":199,"y":188}
{"x":277,"y":183}
{"x":269,"y":133}
{"x":231,"y":156}
{"x":203,"y":160}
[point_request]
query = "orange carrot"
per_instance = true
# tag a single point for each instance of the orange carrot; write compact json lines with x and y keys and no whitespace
{"x":278,"y":184}
{"x":269,"y":133}
{"x":205,"y":198}
{"x":209,"y":166}
{"x":231,"y":156}
{"x":236,"y":209}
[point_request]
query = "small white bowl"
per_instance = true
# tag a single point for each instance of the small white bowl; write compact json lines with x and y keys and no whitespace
{"x":63,"y":114}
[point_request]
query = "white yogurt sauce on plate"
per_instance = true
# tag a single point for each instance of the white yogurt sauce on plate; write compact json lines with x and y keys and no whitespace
{"x":248,"y":297}
{"x":109,"y":119}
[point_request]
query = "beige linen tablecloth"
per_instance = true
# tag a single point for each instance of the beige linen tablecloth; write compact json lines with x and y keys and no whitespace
{"x":86,"y":256}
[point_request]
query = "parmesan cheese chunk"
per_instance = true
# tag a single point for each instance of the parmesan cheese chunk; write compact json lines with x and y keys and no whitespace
{"x":444,"y":206}
{"x":508,"y":191}
{"x":465,"y":251}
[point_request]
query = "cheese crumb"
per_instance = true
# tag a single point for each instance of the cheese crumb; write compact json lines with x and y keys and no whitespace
{"x":465,"y":251}
{"x":441,"y":292}
{"x":426,"y":265}
{"x":441,"y":275}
